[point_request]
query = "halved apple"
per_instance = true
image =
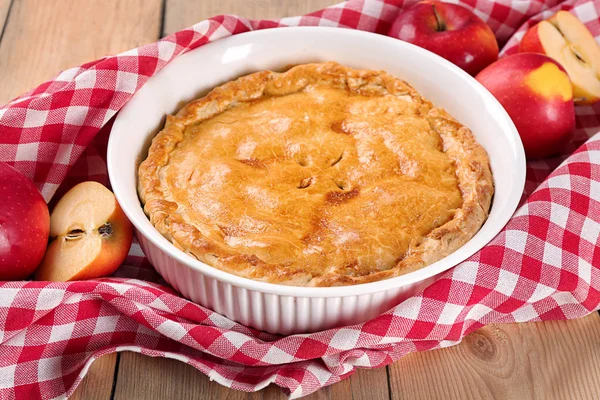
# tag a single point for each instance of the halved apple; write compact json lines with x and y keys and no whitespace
{"x":566,"y":39}
{"x":90,"y":235}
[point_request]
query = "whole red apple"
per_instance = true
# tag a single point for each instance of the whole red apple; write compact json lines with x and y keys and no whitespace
{"x":450,"y":31}
{"x":24,"y":225}
{"x":537,"y":94}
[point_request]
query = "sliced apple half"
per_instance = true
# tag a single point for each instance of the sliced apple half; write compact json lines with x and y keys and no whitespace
{"x":566,"y":39}
{"x":90,"y":235}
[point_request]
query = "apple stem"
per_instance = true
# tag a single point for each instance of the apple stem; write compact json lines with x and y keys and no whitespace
{"x":106,"y":229}
{"x":441,"y":26}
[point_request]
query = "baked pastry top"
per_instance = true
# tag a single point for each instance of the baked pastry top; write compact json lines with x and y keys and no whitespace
{"x":322,"y":175}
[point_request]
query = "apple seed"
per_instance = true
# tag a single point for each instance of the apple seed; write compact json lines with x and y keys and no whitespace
{"x":577,"y":54}
{"x":75,"y":234}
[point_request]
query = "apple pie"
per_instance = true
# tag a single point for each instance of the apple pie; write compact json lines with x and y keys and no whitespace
{"x":321,"y":175}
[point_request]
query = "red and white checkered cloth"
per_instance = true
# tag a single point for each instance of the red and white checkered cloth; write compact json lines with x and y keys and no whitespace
{"x":544,"y":265}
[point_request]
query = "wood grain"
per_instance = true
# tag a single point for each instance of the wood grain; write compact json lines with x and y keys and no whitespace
{"x":141,"y":377}
{"x":545,"y":360}
{"x":98,"y":383}
{"x":43,"y":37}
{"x":4,"y":6}
{"x":181,"y":14}
{"x":364,"y":384}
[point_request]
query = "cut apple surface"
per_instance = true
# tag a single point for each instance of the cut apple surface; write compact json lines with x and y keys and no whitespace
{"x":90,"y":235}
{"x":564,"y":38}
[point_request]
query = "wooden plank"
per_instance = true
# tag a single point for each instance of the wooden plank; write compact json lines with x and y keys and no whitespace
{"x":550,"y":360}
{"x":367,"y":384}
{"x":98,"y":383}
{"x":544,"y":360}
{"x":4,"y":6}
{"x":43,"y":37}
{"x":139,"y":376}
{"x":181,"y":14}
{"x":142,"y":377}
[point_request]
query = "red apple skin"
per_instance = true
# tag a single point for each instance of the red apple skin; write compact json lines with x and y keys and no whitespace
{"x":467,"y":41}
{"x":530,"y":43}
{"x":545,"y":121}
{"x":24,"y":225}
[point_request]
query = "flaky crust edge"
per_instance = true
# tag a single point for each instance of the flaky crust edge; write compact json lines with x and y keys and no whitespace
{"x":471,"y":162}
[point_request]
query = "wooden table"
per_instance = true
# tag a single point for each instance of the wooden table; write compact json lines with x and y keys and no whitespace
{"x":552,"y":360}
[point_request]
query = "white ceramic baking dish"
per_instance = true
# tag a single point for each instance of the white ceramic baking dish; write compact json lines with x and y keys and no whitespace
{"x":285,"y":309}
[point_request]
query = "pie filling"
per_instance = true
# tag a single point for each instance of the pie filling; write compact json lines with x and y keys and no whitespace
{"x":321,"y":175}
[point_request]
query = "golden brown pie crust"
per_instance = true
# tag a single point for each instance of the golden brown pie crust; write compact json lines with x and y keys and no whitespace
{"x":319,"y":176}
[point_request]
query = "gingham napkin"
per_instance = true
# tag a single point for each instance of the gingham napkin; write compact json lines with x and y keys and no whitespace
{"x":543,"y":266}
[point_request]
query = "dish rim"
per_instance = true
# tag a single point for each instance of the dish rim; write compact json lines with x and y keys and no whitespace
{"x":446,"y":263}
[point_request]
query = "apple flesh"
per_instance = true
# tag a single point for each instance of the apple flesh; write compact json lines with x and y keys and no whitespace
{"x":537,"y":94}
{"x":91,"y":235}
{"x":24,"y":225}
{"x":450,"y":31}
{"x":565,"y":39}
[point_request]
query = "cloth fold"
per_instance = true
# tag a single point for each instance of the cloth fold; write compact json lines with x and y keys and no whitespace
{"x":542,"y":266}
